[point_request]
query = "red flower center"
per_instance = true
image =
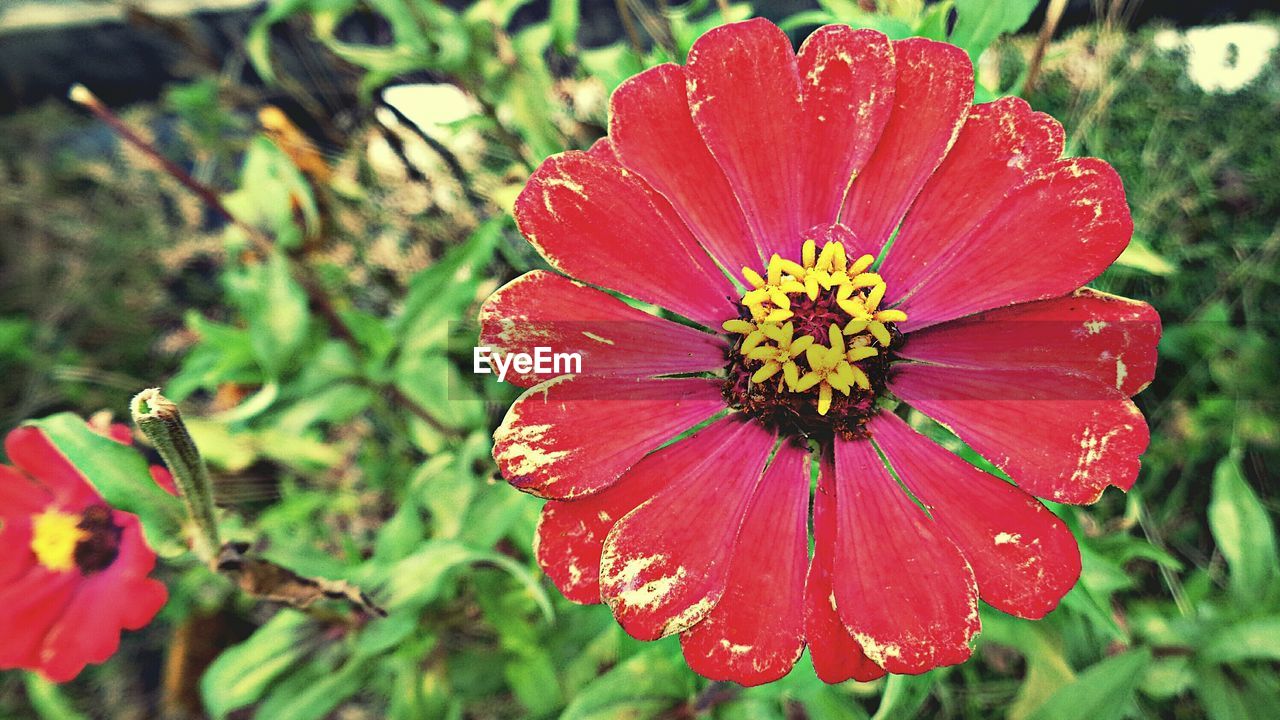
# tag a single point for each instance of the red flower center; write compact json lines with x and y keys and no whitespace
{"x":815,"y":342}
{"x":89,"y":542}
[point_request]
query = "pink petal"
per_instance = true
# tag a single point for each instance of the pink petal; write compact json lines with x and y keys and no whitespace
{"x":1053,"y":234}
{"x":755,"y":634}
{"x":902,"y":588}
{"x":542,"y":309}
{"x":31,"y":451}
{"x":666,"y":564}
{"x":571,"y":533}
{"x":570,"y":437}
{"x":835,"y":654}
{"x":605,"y":225}
{"x":1061,"y":437}
{"x":654,"y":134}
{"x":934,"y":89}
{"x":1109,"y":339}
{"x":1025,"y":559}
{"x":1001,"y":143}
{"x":744,"y":93}
{"x":847,"y":88}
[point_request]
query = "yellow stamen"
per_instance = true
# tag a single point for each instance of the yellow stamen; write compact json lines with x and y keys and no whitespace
{"x":861,"y":353}
{"x":54,"y":536}
{"x":860,"y":265}
{"x":824,"y":399}
{"x":750,"y":342}
{"x":775,"y":269}
{"x":881,"y":333}
{"x":792,"y":268}
{"x":800,"y":344}
{"x":765,"y":372}
{"x":791,"y":374}
{"x":780,"y":301}
{"x":874,"y":297}
{"x":836,"y":338}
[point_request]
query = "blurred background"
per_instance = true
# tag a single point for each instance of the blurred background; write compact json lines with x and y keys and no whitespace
{"x":377,"y":145}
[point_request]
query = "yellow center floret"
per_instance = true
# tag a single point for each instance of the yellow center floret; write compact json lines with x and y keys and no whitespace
{"x":812,"y":322}
{"x":54,"y":536}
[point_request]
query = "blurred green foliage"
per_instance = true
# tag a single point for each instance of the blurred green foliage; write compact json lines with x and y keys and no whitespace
{"x":349,"y":441}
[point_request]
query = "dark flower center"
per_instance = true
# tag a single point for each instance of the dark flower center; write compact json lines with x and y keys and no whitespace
{"x":101,"y":541}
{"x":814,"y":345}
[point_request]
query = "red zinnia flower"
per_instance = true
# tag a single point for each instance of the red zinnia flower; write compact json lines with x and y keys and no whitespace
{"x":73,"y":572}
{"x":801,"y":170}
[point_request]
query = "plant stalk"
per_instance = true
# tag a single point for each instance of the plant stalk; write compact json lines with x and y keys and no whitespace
{"x":160,"y":421}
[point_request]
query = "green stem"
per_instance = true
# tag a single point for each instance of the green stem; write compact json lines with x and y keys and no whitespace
{"x":160,"y":421}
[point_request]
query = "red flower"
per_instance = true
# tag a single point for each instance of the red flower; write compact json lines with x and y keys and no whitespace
{"x":801,"y":170}
{"x":73,"y":572}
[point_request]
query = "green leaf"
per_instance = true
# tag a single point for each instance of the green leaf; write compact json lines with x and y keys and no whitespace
{"x":980,"y":22}
{"x":1222,"y":700}
{"x":272,"y":189}
{"x":48,"y":700}
{"x":1139,"y":256}
{"x":241,"y":674}
{"x":1257,"y":639}
{"x":121,"y":476}
{"x":1103,"y":692}
{"x":313,"y":693}
{"x":275,"y":307}
{"x":1243,"y":531}
{"x":565,"y":16}
{"x":904,"y":695}
{"x":647,"y":685}
{"x":420,"y":578}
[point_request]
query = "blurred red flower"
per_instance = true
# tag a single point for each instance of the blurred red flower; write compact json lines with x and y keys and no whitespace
{"x":803,"y":171}
{"x":73,"y":573}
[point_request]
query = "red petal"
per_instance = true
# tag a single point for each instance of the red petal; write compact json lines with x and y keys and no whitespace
{"x":605,"y":151}
{"x":575,"y":436}
{"x":29,"y":605}
{"x":756,"y":632}
{"x":603,"y":224}
{"x":18,"y":495}
{"x":571,"y":533}
{"x":1025,"y":559}
{"x":1002,"y":142}
{"x":542,"y":309}
{"x":902,"y":588}
{"x":847,"y":86}
{"x":1104,"y":337}
{"x":835,"y":654}
{"x":1045,"y":239}
{"x":934,"y":89}
{"x":651,"y":127}
{"x":15,"y":538}
{"x":32,"y":452}
{"x":744,"y":93}
{"x":120,"y":597}
{"x":1060,"y":437}
{"x":666,"y":564}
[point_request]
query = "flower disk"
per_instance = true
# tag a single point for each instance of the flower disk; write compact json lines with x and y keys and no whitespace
{"x":907,"y":265}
